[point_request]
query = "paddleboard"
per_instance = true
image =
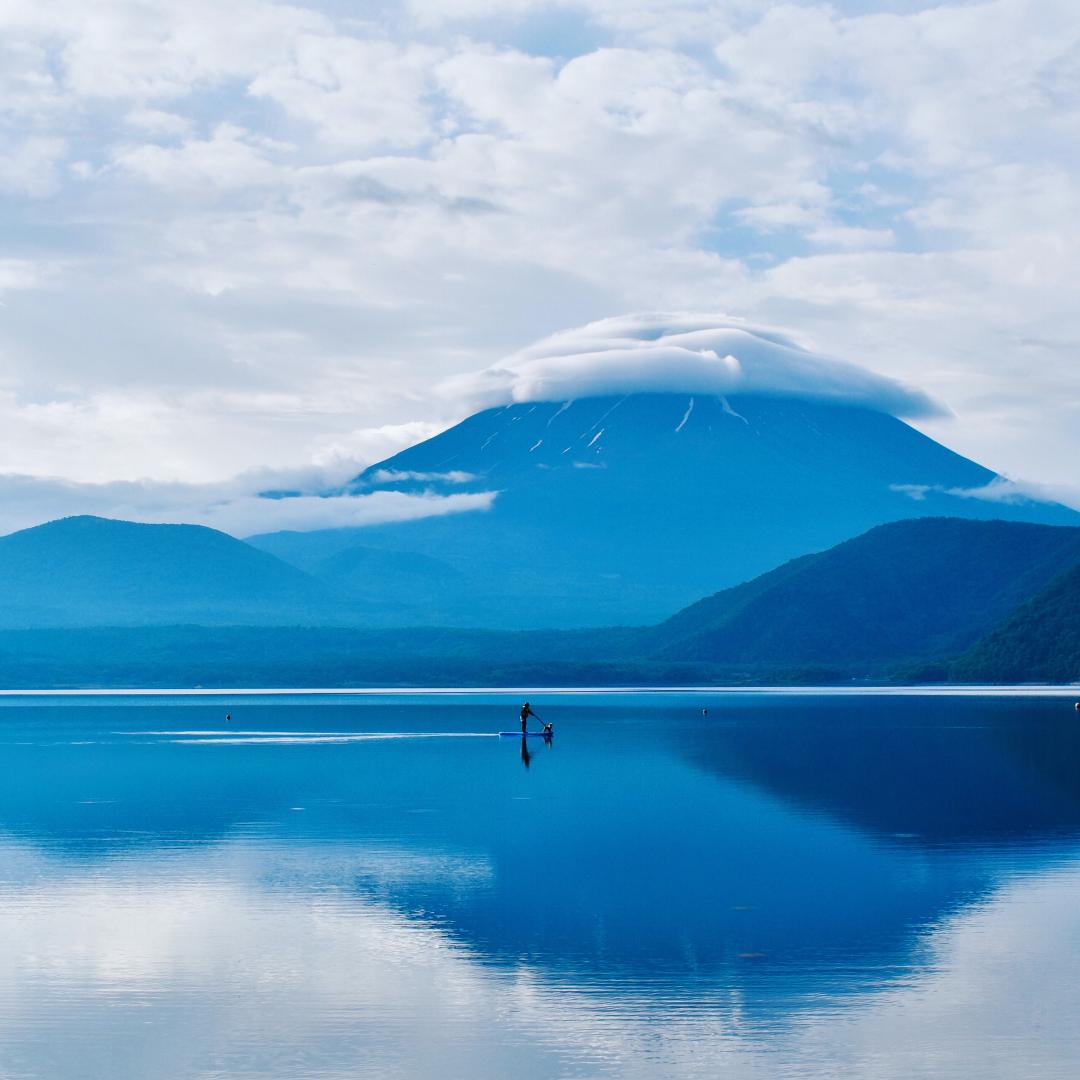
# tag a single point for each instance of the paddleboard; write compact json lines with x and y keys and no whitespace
{"x":529,"y":734}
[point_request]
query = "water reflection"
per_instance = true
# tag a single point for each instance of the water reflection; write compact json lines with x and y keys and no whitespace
{"x":965,"y":771}
{"x":322,"y":891}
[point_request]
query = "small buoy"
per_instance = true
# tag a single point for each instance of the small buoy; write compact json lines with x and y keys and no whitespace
{"x":1078,"y":706}
{"x":228,"y":716}
{"x":705,"y":712}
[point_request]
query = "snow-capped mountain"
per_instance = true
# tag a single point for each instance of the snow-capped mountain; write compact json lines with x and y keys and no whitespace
{"x":622,"y":509}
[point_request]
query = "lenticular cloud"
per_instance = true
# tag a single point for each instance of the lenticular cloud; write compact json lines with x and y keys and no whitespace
{"x":686,"y":354}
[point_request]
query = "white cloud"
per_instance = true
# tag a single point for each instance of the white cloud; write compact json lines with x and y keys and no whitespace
{"x":29,"y":166}
{"x":273,"y":210}
{"x":230,"y":158}
{"x":1000,"y":490}
{"x":248,"y":515}
{"x":278,"y":967}
{"x":350,"y":452}
{"x":192,"y":435}
{"x":22,"y":273}
{"x":364,"y":95}
{"x":129,"y":50}
{"x":237,"y":507}
{"x":680,"y":352}
{"x":159,"y":122}
{"x":847,"y":238}
{"x":918,"y":492}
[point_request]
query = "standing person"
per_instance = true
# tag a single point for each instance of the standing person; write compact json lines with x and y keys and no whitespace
{"x":526,"y":712}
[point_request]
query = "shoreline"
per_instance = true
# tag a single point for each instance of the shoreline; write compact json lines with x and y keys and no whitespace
{"x":969,"y":690}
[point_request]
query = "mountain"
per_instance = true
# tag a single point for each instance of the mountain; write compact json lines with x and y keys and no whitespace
{"x":622,"y":510}
{"x":398,"y":587}
{"x":90,"y":571}
{"x":910,"y":590}
{"x":905,"y":594}
{"x":1039,"y":642}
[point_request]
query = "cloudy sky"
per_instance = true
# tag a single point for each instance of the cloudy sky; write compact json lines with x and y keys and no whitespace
{"x":242,"y":243}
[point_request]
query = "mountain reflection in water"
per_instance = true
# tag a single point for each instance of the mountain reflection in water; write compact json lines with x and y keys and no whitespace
{"x":369,"y":885}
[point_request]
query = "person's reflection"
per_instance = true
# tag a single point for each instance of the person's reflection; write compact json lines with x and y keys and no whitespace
{"x":526,"y":757}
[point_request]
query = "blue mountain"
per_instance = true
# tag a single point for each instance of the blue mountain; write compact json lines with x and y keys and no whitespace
{"x":1038,"y":642}
{"x":97,"y":603}
{"x":91,"y":571}
{"x":622,"y":510}
{"x":925,"y":589}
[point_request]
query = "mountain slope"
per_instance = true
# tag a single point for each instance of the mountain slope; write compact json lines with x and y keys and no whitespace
{"x":910,"y":591}
{"x":913,"y":589}
{"x":388,"y":588}
{"x":625,"y":509}
{"x":88,"y":571}
{"x":1038,"y":642}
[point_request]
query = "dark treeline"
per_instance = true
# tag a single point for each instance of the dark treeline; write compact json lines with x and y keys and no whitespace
{"x":928,"y":600}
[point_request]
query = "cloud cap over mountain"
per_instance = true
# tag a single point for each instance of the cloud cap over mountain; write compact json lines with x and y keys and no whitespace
{"x":683,"y":352}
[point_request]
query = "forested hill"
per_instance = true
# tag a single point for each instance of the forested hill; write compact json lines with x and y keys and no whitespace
{"x":926,"y":588}
{"x":1039,"y":642}
{"x":902,"y":602}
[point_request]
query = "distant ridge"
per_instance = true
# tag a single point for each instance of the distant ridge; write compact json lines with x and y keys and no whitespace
{"x":925,"y":588}
{"x":397,"y":588}
{"x":92,"y":571}
{"x":901,"y":603}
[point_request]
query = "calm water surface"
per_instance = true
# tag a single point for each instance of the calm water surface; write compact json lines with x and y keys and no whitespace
{"x":794,"y":885}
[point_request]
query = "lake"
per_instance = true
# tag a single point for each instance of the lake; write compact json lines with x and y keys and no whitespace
{"x":794,"y":884}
